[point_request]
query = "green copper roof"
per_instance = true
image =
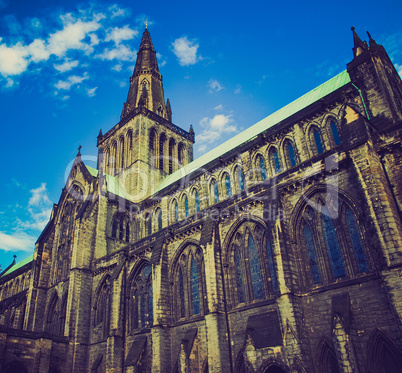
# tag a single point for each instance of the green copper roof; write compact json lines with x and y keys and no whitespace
{"x":249,"y":134}
{"x":112,"y":184}
{"x":18,"y":265}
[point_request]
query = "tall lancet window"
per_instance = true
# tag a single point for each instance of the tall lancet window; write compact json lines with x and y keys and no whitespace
{"x":122,"y":153}
{"x":171,"y":152}
{"x":162,"y":141}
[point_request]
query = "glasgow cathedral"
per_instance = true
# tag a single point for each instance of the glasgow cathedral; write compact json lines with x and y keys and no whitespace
{"x":279,"y":251}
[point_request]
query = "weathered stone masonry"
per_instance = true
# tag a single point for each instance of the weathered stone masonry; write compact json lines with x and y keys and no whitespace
{"x":283,"y":254}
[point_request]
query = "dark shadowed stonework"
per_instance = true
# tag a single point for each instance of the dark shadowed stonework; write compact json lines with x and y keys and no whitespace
{"x":278,"y":251}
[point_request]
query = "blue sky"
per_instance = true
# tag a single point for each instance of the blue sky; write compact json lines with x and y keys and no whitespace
{"x":65,"y":68}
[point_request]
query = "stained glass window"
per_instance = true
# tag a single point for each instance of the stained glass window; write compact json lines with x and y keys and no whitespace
{"x":335,"y":133}
{"x":272,"y":266}
{"x":277,"y":164}
{"x":186,"y":209}
{"x":197,"y":202}
{"x":176,"y":212}
{"x":331,"y":241}
{"x":216,"y":192}
{"x":356,"y":241}
{"x":255,"y":268}
{"x":308,"y":236}
{"x":228,"y":187}
{"x":194,"y":287}
{"x":149,"y":223}
{"x":181,"y":294}
{"x":241,"y":179}
{"x":239,"y":277}
{"x":263,"y":170}
{"x":292,"y":158}
{"x":318,"y":143}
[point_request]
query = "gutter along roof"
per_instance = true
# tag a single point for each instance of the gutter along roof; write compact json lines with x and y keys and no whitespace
{"x":252,"y":132}
{"x":242,"y":138}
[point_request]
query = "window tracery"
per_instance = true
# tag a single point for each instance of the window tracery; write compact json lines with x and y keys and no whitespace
{"x":252,"y":274}
{"x":189,"y":284}
{"x":141,"y":299}
{"x":332,"y":242}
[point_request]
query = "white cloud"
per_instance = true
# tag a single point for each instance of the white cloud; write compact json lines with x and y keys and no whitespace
{"x":91,"y":92}
{"x":17,"y":242}
{"x":121,"y":52}
{"x":117,"y":67}
{"x":66,"y":66}
{"x":13,"y":60}
{"x":118,"y":12}
{"x":213,"y":129}
{"x":237,"y":90}
{"x":118,"y":34}
{"x":71,"y":80}
{"x":214,"y":86}
{"x":219,"y":107}
{"x":186,"y":51}
{"x":39,"y":196}
{"x":72,"y":37}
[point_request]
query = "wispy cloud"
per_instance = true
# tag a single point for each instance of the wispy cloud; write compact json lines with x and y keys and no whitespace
{"x":186,"y":51}
{"x":71,"y":80}
{"x":17,"y":242}
{"x":66,"y":66}
{"x":86,"y":35}
{"x":91,"y":91}
{"x":214,"y":86}
{"x":237,"y":90}
{"x":213,"y":130}
{"x":119,"y":34}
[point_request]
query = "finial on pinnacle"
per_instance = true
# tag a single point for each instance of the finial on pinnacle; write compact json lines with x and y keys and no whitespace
{"x":79,"y":151}
{"x":146,"y":24}
{"x":352,"y":28}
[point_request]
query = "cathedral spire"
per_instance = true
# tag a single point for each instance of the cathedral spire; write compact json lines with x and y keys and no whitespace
{"x":359,"y":45}
{"x":146,"y":88}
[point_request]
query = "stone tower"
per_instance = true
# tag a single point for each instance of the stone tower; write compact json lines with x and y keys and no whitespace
{"x":145,"y":146}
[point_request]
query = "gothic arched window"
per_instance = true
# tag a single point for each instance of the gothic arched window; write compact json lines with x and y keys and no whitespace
{"x":253,"y":274}
{"x":290,"y":154}
{"x":175,"y":212}
{"x":261,"y":167}
{"x":162,"y":141}
{"x":189,"y":283}
{"x":227,"y":185}
{"x":186,"y":207}
{"x":171,"y":154}
{"x":317,"y":141}
{"x":239,"y":176}
{"x":159,"y":218}
{"x":215,"y":191}
{"x":141,"y":300}
{"x":122,"y":152}
{"x":276,"y":165}
{"x":355,"y":239}
{"x":332,"y":242}
{"x":197,"y":201}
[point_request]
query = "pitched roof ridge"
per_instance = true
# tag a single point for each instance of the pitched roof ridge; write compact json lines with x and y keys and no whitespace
{"x":250,"y":133}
